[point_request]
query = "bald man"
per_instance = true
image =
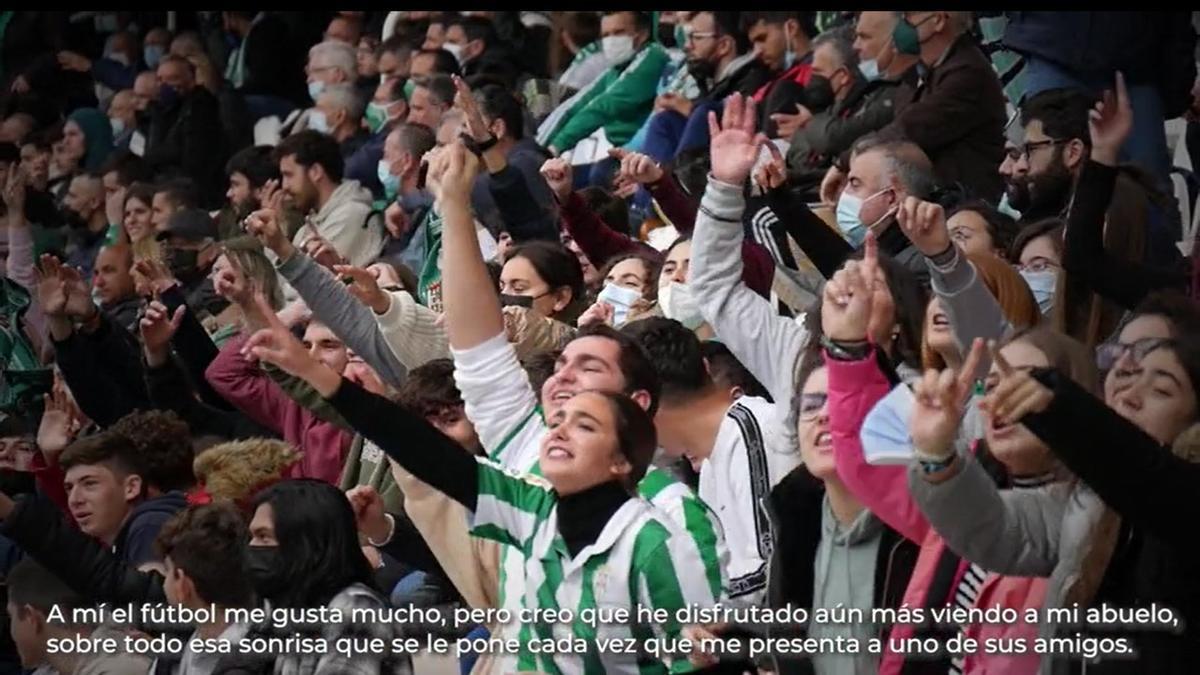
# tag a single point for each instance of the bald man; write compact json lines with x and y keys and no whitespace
{"x":83,"y":209}
{"x":112,"y":281}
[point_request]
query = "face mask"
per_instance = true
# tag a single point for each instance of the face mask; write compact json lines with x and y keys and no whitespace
{"x":390,"y":183}
{"x":701,"y":70}
{"x":621,"y":299}
{"x":182,"y":262}
{"x":507,"y":300}
{"x":617,"y":49}
{"x":376,"y":116}
{"x":314,"y":89}
{"x":409,"y":86}
{"x":317,"y":121}
{"x":153,"y":55}
{"x":789,"y":58}
{"x":906,"y":37}
{"x":1042,"y":284}
{"x":1006,"y":208}
{"x":869,"y":69}
{"x":818,"y":95}
{"x":456,"y":50}
{"x":168,"y":95}
{"x":74,"y":219}
{"x":677,"y":303}
{"x":850,"y":222}
{"x":667,"y":35}
{"x":120,"y":58}
{"x":118,"y":125}
{"x":680,"y":36}
{"x":264,"y":567}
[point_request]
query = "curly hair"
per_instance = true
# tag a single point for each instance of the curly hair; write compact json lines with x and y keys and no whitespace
{"x":163,"y":442}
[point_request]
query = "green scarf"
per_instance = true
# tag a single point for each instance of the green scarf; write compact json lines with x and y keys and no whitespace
{"x":429,"y":284}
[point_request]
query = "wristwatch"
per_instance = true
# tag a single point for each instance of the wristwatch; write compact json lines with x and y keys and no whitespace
{"x":932,"y":466}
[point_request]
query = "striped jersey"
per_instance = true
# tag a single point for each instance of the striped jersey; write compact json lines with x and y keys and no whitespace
{"x":641,"y":559}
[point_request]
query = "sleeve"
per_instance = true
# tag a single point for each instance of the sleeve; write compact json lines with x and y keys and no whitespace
{"x":668,"y":574}
{"x":832,"y":135}
{"x":247,"y":387}
{"x":20,"y":266}
{"x":412,"y":331}
{"x":854,"y":389}
{"x":194,"y":346}
{"x":827,"y":250}
{"x":349,"y":318}
{"x":1142,"y":480}
{"x":412,"y":442}
{"x":766,"y":343}
{"x":113,"y":75}
{"x":946,"y":115}
{"x":409,"y":547}
{"x":596,"y":239}
{"x":510,"y":505}
{"x":1014,"y":532}
{"x":169,"y":389}
{"x":106,"y":389}
{"x":303,"y":394}
{"x":974,"y":312}
{"x":139,"y":543}
{"x":80,"y":561}
{"x":749,"y":540}
{"x":676,"y":206}
{"x":495,"y":389}
{"x":628,"y":97}
{"x":50,"y":479}
{"x":526,"y":217}
{"x":1120,"y":280}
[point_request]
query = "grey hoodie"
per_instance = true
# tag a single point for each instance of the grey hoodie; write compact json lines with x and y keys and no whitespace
{"x":347,"y":222}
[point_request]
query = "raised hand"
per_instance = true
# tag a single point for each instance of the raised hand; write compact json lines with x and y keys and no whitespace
{"x":771,"y":174}
{"x":265,"y":226}
{"x":1016,"y":395}
{"x":733,"y":143}
{"x":637,"y":167}
{"x":883,"y":306}
{"x":395,"y":220}
{"x":846,"y":307}
{"x":74,"y":61}
{"x":79,"y":297}
{"x":319,"y":249}
{"x":365,"y":287}
{"x":599,"y":312}
{"x":368,"y":512}
{"x":52,"y":289}
{"x":156,"y":274}
{"x":275,"y":344}
{"x":938,"y":409}
{"x":924,"y":223}
{"x":60,"y":421}
{"x":1110,"y":123}
{"x":558,"y":175}
{"x":832,"y":185}
{"x":14,"y":193}
{"x":458,"y":173}
{"x":114,"y":207}
{"x":158,"y":327}
{"x":464,"y":100}
{"x":272,"y":196}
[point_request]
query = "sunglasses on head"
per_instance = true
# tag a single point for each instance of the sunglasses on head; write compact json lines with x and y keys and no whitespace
{"x":1107,"y":355}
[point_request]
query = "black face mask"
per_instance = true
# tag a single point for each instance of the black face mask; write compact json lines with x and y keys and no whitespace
{"x":702,"y":71}
{"x":266,"y":573}
{"x":74,"y":219}
{"x":818,"y":95}
{"x":182,"y":262}
{"x":507,"y":300}
{"x":666,"y":35}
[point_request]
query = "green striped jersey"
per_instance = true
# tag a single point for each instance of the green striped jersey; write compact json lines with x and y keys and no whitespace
{"x":640,"y":559}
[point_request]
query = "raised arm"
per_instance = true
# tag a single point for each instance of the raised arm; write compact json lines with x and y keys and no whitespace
{"x":768,"y":344}
{"x":596,"y":239}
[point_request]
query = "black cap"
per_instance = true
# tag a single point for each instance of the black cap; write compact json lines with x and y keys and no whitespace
{"x":190,"y":225}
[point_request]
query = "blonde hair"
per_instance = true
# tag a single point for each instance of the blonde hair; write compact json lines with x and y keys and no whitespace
{"x":234,"y":471}
{"x":246,"y":253}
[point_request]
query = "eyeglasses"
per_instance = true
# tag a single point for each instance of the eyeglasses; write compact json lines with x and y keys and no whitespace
{"x":1028,"y":148}
{"x":1108,"y":355}
{"x":811,"y":406}
{"x":1038,"y":264}
{"x":1013,"y":153}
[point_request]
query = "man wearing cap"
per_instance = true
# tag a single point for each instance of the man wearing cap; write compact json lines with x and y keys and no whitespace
{"x":190,"y":249}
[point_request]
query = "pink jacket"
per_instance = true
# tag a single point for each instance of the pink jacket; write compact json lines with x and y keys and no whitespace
{"x":855,"y":388}
{"x":249,"y":389}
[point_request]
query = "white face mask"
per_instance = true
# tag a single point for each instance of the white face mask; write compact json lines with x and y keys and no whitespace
{"x":621,"y":299}
{"x":617,"y":49}
{"x":456,"y":50}
{"x":677,"y":303}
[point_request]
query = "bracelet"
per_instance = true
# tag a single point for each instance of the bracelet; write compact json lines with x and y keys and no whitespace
{"x":846,"y":351}
{"x":710,"y":214}
{"x":946,"y":260}
{"x":391,"y":532}
{"x":932,"y":466}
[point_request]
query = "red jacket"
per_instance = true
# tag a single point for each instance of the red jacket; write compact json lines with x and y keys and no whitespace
{"x":854,"y":389}
{"x":244,"y":384}
{"x":798,"y":73}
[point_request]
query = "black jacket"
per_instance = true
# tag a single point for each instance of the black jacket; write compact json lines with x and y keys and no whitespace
{"x":135,"y":541}
{"x":794,"y":509}
{"x":746,"y":80}
{"x":107,"y":388}
{"x":1153,"y":490}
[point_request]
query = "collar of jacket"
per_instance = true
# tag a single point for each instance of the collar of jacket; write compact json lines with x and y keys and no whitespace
{"x":583,"y":515}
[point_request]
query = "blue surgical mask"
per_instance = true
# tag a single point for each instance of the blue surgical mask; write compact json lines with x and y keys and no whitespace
{"x":153,"y":55}
{"x":317,"y":121}
{"x":1007,"y":209}
{"x":869,"y":69}
{"x":118,"y":125}
{"x":314,"y":89}
{"x":849,"y":220}
{"x":391,"y":184}
{"x":1042,"y":283}
{"x":621,"y":299}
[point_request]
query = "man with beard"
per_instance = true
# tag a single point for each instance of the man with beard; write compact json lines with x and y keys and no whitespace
{"x":1137,"y":226}
{"x":83,"y":210}
{"x":338,"y":211}
{"x":248,"y":171}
